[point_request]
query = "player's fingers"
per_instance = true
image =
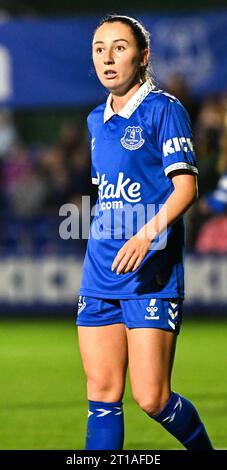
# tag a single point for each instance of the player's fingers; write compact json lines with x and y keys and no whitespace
{"x":120,"y":255}
{"x":137,"y":263}
{"x":130,"y":264}
{"x":123,"y":263}
{"x":117,"y":259}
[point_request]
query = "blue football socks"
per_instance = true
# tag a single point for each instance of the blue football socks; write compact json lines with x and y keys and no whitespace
{"x":105,"y":426}
{"x":181,"y":419}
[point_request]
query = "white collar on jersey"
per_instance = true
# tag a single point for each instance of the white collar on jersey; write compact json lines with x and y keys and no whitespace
{"x":131,"y":105}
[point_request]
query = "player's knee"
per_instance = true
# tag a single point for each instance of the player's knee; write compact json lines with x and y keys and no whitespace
{"x":151,"y":403}
{"x":105,"y":390}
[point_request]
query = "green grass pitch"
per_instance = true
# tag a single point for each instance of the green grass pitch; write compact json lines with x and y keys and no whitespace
{"x":43,"y":391}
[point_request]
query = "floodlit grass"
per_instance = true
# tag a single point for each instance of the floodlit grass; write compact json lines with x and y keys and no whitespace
{"x":43,"y":389}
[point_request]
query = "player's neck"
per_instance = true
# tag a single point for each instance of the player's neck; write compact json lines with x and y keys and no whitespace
{"x":119,"y":101}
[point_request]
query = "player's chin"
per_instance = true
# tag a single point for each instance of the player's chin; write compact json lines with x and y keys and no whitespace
{"x":111,"y":83}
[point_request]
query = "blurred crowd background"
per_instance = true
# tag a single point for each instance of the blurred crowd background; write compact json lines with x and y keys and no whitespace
{"x":37,"y":178}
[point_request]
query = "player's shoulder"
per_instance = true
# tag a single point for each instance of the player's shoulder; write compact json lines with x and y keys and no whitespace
{"x":96,"y":114}
{"x":163,"y":103}
{"x":161,"y":98}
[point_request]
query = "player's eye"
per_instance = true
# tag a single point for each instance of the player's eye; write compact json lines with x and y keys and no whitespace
{"x":99,"y":50}
{"x":120,"y":48}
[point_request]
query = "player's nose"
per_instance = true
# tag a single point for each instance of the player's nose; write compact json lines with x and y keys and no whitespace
{"x":108,"y":58}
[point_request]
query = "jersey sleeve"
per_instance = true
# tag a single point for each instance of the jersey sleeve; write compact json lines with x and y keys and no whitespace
{"x":94,"y":176}
{"x":175,"y":140}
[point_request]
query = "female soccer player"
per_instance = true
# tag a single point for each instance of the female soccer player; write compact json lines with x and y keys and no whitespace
{"x":130,"y":301}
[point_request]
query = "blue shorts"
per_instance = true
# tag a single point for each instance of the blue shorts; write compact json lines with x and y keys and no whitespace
{"x":165,"y":314}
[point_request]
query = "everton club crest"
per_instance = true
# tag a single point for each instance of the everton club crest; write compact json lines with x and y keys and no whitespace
{"x":132,"y":139}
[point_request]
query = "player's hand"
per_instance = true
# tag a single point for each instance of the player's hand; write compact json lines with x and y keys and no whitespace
{"x":132,"y":253}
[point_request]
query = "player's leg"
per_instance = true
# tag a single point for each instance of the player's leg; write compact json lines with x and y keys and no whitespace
{"x":151,"y":354}
{"x":104,"y":355}
{"x":103,"y":347}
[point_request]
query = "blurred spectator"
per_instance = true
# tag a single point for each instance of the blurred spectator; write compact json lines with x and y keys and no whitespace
{"x":211,"y":209}
{"x":70,"y":138}
{"x":28,"y":195}
{"x":216,"y":201}
{"x":55,"y":172}
{"x":208,"y":131}
{"x":80,"y":170}
{"x":8,"y":137}
{"x":14,"y":167}
{"x":212,"y":237}
{"x":8,"y":134}
{"x":74,"y":145}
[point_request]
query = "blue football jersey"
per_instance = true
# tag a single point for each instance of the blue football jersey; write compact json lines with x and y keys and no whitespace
{"x":134,"y":153}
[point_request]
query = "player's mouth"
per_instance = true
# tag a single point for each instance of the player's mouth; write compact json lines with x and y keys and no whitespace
{"x":110,"y":74}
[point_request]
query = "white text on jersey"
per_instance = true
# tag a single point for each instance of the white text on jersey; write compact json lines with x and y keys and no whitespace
{"x":176,"y":144}
{"x":124,"y":188}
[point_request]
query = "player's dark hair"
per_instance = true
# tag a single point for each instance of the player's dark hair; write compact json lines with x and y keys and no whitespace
{"x":141,"y":35}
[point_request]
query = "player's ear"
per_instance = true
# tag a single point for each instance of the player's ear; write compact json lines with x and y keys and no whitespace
{"x":145,"y":57}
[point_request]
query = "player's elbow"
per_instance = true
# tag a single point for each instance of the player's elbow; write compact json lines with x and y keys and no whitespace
{"x":193,"y":193}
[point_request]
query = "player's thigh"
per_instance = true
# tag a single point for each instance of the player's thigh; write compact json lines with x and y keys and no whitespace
{"x":104,"y":355}
{"x":151,"y":355}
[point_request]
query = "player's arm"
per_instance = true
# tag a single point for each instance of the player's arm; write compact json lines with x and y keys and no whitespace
{"x":184,"y":194}
{"x":134,"y":250}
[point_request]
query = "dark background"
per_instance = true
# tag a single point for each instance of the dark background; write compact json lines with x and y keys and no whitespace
{"x":68,"y":7}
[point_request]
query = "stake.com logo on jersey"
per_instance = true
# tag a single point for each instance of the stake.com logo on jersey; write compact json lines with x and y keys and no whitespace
{"x":129,"y":215}
{"x":124,"y":189}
